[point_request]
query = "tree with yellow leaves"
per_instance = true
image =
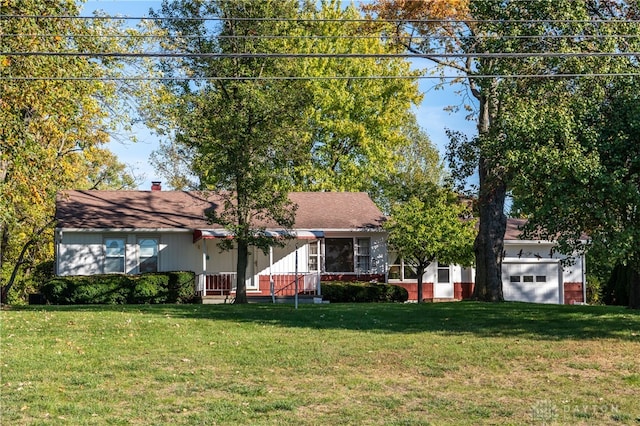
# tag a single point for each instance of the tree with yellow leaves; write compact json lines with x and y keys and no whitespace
{"x":53,"y":128}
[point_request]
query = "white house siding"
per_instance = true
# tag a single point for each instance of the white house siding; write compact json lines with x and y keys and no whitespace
{"x":79,"y":253}
{"x":179,"y":253}
{"x":82,"y":253}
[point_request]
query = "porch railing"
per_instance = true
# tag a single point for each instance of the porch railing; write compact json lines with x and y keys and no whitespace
{"x":218,"y":284}
{"x":284,"y":284}
{"x":280,"y":284}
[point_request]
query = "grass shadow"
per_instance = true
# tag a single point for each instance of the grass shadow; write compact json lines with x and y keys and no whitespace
{"x":509,"y":319}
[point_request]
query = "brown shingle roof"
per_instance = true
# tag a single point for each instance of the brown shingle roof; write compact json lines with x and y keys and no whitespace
{"x":186,"y":210}
{"x":514,"y":228}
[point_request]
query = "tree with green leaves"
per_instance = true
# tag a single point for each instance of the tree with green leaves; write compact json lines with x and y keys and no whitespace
{"x":596,"y":190}
{"x":477,"y":39}
{"x":244,"y":133}
{"x":360,"y":120}
{"x":257,"y":138}
{"x":433,"y":227}
{"x":53,"y":130}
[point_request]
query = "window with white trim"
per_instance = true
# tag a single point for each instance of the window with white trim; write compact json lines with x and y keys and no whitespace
{"x":347,"y":255}
{"x":400,"y":270}
{"x":363,"y":255}
{"x":444,"y":273}
{"x":114,"y":255}
{"x":338,"y":254}
{"x":314,"y":256}
{"x":148,"y":254}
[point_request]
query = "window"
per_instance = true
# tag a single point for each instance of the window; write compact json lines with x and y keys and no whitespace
{"x":444,"y":274}
{"x":339,"y":254}
{"x":148,"y":254}
{"x":527,"y":279}
{"x":114,"y":250}
{"x":514,"y":278}
{"x":314,"y":256}
{"x":541,"y":278}
{"x":363,"y":255}
{"x":400,"y":270}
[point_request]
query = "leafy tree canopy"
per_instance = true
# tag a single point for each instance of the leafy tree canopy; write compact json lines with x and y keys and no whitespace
{"x":53,"y":132}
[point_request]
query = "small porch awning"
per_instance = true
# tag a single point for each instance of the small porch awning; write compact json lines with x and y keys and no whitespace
{"x":200,"y":234}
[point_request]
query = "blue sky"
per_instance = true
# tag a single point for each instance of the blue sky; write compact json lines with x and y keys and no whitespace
{"x":431,"y":113}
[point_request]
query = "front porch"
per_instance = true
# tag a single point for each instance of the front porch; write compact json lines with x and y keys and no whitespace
{"x":222,"y":285}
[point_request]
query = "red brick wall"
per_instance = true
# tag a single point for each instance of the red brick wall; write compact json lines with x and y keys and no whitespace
{"x":353,"y":278}
{"x":412,"y":288}
{"x":462,"y":291}
{"x":573,"y":293}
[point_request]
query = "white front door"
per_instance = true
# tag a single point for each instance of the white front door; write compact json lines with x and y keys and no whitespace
{"x":443,"y":286}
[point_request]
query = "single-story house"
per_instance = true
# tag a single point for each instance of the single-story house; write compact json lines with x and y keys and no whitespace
{"x":337,"y":236}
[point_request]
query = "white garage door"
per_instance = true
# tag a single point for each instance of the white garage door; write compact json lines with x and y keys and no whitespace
{"x":531,"y":282}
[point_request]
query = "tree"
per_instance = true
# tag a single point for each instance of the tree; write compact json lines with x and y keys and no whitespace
{"x":245,"y":134}
{"x":483,"y":34}
{"x":256,"y":139}
{"x":359,"y":124}
{"x":597,"y":191}
{"x":52,"y":129}
{"x":434,"y":226}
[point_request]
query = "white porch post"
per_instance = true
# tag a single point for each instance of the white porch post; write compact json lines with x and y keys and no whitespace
{"x":271,"y":285}
{"x":320,"y":263}
{"x":204,"y":267}
{"x":296,"y":278}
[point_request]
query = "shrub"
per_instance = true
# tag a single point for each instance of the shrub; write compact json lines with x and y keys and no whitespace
{"x":182,"y":286}
{"x":149,"y":288}
{"x":355,"y":292}
{"x":167,"y":287}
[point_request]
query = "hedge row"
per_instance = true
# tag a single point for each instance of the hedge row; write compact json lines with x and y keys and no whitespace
{"x":111,"y":289}
{"x":358,"y":292}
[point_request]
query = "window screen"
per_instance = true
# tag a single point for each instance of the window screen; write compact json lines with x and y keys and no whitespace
{"x":339,"y":254}
{"x":114,"y":249}
{"x":148,"y":252}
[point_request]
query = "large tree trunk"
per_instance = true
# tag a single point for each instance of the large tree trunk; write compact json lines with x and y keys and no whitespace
{"x":489,"y":243}
{"x":241,"y":268}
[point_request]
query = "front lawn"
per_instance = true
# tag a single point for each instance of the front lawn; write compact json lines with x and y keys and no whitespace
{"x":444,"y":363}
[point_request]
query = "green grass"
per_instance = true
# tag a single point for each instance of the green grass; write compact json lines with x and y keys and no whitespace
{"x":392,"y":364}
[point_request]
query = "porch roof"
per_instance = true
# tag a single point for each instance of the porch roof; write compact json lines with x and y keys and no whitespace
{"x":200,"y":234}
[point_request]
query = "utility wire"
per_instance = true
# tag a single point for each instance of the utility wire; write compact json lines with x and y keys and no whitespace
{"x":280,"y":78}
{"x":344,"y":20}
{"x":498,"y":55}
{"x":337,"y":37}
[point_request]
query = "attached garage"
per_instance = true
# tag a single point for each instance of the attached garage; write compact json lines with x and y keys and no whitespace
{"x":536,"y":282}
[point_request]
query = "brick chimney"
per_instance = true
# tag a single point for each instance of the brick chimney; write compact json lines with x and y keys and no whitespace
{"x":156,"y":185}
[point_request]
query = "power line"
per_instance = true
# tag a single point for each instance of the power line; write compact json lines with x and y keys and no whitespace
{"x":498,"y":55}
{"x":342,"y":20}
{"x":346,"y":37}
{"x":280,"y":78}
